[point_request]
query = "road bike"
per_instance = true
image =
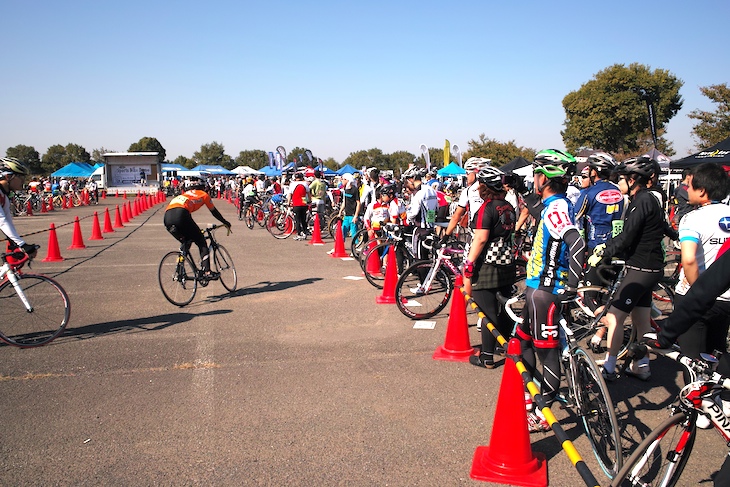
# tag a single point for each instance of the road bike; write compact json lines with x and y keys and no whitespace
{"x":374,"y":258}
{"x":662,"y":456}
{"x":586,"y":393}
{"x":280,"y":222}
{"x":35,"y":308}
{"x":179,"y":277}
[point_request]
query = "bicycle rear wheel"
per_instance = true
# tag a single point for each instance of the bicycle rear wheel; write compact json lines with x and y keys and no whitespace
{"x":662,"y":456}
{"x":416,"y":302}
{"x":176,"y":275}
{"x":597,"y":413}
{"x":260,"y":215}
{"x":280,"y":224}
{"x":46,"y":320}
{"x":223,"y":264}
{"x":359,"y":242}
{"x":249,"y":218}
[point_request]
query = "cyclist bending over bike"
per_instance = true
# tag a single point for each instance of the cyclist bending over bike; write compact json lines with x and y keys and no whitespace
{"x":553,"y":272}
{"x":179,"y":220}
{"x":12,"y":177}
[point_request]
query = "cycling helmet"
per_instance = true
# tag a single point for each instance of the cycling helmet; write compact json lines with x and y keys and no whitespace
{"x":476,"y":163}
{"x":373,"y":173}
{"x":388,"y":189}
{"x":602,"y":162}
{"x":414,"y":173}
{"x":492,"y":178}
{"x":641,"y":166}
{"x":554,"y":164}
{"x":10,"y":165}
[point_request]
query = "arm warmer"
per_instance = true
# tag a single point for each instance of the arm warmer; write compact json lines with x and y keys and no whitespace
{"x":576,"y":256}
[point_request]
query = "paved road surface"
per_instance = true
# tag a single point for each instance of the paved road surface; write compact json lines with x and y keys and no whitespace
{"x":297,"y":378}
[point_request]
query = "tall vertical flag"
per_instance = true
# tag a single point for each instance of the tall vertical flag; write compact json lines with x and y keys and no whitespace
{"x":447,"y":152}
{"x":457,"y":154}
{"x":426,"y":156}
{"x":271,"y":160}
{"x":282,"y":157}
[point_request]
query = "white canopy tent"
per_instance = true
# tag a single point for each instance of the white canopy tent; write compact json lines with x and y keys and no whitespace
{"x":246,"y":170}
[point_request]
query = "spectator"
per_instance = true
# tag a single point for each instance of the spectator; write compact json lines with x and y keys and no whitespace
{"x":298,"y":199}
{"x":350,"y":194}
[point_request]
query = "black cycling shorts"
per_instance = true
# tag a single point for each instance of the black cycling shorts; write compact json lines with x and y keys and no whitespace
{"x":179,"y":222}
{"x":635,"y":290}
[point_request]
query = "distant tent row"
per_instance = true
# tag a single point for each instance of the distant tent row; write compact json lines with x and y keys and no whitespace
{"x":76,"y":170}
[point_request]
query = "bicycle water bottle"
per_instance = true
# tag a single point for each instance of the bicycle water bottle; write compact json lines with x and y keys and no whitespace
{"x":563,"y":340}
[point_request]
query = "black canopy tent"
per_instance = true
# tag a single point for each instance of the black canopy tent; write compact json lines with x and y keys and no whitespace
{"x":515,"y":163}
{"x":718,"y":153}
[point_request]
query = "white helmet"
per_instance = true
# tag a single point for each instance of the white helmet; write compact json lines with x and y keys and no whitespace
{"x":476,"y":163}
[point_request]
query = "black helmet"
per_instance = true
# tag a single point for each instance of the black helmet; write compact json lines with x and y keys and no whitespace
{"x":641,"y":166}
{"x":602,"y":162}
{"x":12,"y":165}
{"x":388,"y":189}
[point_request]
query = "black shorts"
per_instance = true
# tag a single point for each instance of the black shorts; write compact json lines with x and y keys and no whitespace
{"x":442,"y":215}
{"x":179,"y":222}
{"x":635,"y":290}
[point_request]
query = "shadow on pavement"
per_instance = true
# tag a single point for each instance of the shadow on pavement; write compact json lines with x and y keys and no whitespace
{"x":268,"y":286}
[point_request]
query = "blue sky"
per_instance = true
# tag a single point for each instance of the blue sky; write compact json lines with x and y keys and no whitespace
{"x":334,"y":77}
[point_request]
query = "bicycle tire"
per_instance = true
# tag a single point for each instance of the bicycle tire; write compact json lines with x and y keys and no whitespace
{"x":378,"y":279}
{"x":422,"y":305}
{"x":48,"y":318}
{"x":332,"y":223}
{"x":223,"y":264}
{"x":280,"y":225}
{"x":249,"y":219}
{"x":650,"y":463}
{"x":596,"y":411}
{"x":260,"y":215}
{"x":76,"y":200}
{"x":177,"y":278}
{"x":359,"y":242}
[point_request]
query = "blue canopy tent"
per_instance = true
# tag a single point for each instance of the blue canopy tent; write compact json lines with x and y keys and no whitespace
{"x":218,"y":170}
{"x":452,"y":169}
{"x":347,"y":169}
{"x":173,"y":167}
{"x":270,"y":171}
{"x":74,"y":170}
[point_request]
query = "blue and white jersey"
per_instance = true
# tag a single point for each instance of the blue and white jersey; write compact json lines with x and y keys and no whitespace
{"x":547,"y":268}
{"x":709,"y":227}
{"x":595,"y":211}
{"x":423,"y":207}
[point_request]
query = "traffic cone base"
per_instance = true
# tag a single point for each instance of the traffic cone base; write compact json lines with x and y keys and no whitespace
{"x":456,"y":347}
{"x":509,"y":458}
{"x":316,"y":232}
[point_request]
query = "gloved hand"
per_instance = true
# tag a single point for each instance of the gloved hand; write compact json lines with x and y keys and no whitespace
{"x":468,"y":269}
{"x":444,"y":241}
{"x":227,"y":224}
{"x":30,"y":249}
{"x":597,"y":256}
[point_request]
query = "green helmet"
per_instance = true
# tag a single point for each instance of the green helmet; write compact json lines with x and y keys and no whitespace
{"x":554,"y":164}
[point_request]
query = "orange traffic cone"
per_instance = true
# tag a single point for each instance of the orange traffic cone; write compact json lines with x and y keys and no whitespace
{"x":118,"y":218}
{"x":43,"y":206}
{"x":456,"y":347}
{"x":124,"y":196}
{"x":29,"y":208}
{"x":372,"y":264}
{"x":134,"y":207}
{"x":316,"y":233}
{"x":103,"y":194}
{"x":391,"y":279}
{"x":125,"y":212}
{"x":78,"y":240}
{"x":107,"y":222}
{"x":339,"y":243}
{"x":50,"y":205}
{"x":96,"y":228}
{"x":116,"y":193}
{"x":509,"y":458}
{"x":54,"y":253}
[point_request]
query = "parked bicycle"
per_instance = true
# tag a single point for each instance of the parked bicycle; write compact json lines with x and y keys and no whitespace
{"x":374,"y":259}
{"x":586,"y":393}
{"x":662,"y":456}
{"x":179,"y":277}
{"x":35,"y":308}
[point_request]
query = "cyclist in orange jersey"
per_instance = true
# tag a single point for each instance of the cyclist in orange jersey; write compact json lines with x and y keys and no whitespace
{"x":179,"y":220}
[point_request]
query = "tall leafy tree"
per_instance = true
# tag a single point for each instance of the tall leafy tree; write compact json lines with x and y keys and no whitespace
{"x":213,"y":154}
{"x":368,"y":158}
{"x":499,"y":152}
{"x":53,"y":158}
{"x":149,"y":144}
{"x":609,"y":112}
{"x":713,"y":127}
{"x":400,"y":160}
{"x":184,"y":161}
{"x":28,"y":155}
{"x":252,"y":158}
{"x":97,"y":155}
{"x":76,"y":153}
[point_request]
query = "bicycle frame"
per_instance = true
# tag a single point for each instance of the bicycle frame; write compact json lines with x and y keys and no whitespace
{"x":443,"y":258}
{"x":11,"y":273}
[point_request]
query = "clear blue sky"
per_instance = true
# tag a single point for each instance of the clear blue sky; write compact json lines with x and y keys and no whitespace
{"x":334,"y":77}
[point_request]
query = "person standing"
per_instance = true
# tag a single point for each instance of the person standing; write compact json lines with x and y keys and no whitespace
{"x":350,"y":195}
{"x":298,"y":199}
{"x":469,"y":200}
{"x":318,"y":192}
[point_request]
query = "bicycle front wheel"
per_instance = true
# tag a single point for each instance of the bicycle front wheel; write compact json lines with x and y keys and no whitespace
{"x":280,"y":225}
{"x":417,"y":300}
{"x":662,"y":456}
{"x":223,"y":263}
{"x":47,"y":318}
{"x":597,"y":413}
{"x":176,"y":275}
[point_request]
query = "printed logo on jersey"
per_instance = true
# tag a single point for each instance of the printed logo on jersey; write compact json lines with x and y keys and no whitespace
{"x":609,"y":196}
{"x":724,"y":224}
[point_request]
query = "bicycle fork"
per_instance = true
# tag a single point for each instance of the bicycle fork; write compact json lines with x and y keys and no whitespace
{"x":13,"y":278}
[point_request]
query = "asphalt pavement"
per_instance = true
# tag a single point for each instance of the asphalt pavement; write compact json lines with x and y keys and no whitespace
{"x":296,"y":378}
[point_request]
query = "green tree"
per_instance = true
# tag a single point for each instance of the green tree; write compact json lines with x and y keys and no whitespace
{"x":149,"y":144}
{"x":184,"y":161}
{"x":213,"y":154}
{"x":499,"y":152}
{"x":252,"y":158}
{"x":609,"y":112}
{"x":28,"y":155}
{"x":368,"y":158}
{"x":75,"y":153}
{"x":97,"y":155}
{"x":713,"y":127}
{"x":399,"y":161}
{"x":53,"y":158}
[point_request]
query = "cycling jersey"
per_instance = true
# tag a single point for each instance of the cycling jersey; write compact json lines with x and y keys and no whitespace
{"x":640,"y":241}
{"x":470,"y":199}
{"x":596,"y":209}
{"x":299,"y":192}
{"x":6,"y":220}
{"x":192,"y":201}
{"x":708,"y":227}
{"x":423,"y":208}
{"x":548,"y":266}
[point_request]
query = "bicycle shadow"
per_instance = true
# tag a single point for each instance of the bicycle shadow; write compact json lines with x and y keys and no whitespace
{"x":268,"y":287}
{"x":148,"y":323}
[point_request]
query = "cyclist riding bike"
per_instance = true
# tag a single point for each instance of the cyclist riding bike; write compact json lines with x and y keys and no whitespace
{"x":553,"y":273}
{"x":12,"y":177}
{"x":179,"y":220}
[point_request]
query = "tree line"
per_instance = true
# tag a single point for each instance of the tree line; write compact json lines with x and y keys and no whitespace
{"x":609,"y":112}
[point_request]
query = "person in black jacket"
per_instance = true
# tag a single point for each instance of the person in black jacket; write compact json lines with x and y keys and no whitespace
{"x":640,"y":245}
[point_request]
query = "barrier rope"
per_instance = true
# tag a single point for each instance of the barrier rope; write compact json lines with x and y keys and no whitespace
{"x":567,"y":445}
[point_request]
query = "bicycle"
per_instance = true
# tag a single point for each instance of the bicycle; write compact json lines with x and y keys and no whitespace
{"x":393,"y":235}
{"x":179,"y":276}
{"x":35,"y":308}
{"x":586,"y":393}
{"x":663,"y":454}
{"x":280,"y":222}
